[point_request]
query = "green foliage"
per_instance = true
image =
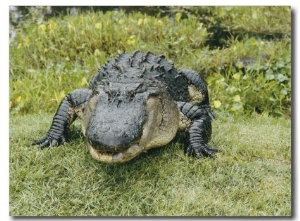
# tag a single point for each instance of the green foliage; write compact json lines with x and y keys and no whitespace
{"x":270,"y":20}
{"x":262,"y":84}
{"x":244,"y":53}
{"x":78,"y":38}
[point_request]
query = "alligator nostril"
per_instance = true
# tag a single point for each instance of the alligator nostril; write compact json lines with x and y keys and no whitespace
{"x":104,"y":129}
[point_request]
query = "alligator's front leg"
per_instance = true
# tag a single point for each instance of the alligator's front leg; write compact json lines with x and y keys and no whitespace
{"x":199,"y":135}
{"x":199,"y":132}
{"x":64,"y":117}
{"x":200,"y":115}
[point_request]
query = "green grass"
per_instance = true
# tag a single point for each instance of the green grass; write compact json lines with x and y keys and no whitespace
{"x":250,"y":177}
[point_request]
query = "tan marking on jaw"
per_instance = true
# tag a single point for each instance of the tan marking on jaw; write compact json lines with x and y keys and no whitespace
{"x":90,"y":106}
{"x":162,"y":122}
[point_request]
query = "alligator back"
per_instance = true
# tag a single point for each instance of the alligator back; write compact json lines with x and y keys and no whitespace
{"x":146,"y":68}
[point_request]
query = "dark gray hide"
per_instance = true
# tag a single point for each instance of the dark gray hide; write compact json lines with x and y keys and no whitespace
{"x":118,"y":116}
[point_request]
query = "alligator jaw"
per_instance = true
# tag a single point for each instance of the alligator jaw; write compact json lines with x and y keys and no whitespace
{"x":121,"y":157}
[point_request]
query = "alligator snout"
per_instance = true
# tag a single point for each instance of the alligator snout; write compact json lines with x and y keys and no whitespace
{"x":116,"y":123}
{"x":114,"y":138}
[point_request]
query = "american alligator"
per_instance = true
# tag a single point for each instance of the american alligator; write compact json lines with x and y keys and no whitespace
{"x":134,"y":103}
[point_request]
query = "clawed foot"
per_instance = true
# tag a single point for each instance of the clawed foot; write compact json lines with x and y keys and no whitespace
{"x":48,"y":141}
{"x":201,"y":150}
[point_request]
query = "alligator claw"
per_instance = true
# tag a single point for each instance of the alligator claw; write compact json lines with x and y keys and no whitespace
{"x":48,"y":141}
{"x":201,"y":150}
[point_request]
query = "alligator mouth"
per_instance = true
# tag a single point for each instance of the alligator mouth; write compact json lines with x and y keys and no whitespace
{"x":115,"y":156}
{"x":110,"y":147}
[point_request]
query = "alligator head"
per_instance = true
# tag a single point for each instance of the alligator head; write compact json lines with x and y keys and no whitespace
{"x":124,"y":119}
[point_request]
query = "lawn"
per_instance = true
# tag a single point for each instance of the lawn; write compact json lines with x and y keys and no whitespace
{"x":250,"y":177}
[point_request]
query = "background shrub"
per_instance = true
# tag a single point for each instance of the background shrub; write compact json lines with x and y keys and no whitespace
{"x":243,"y":52}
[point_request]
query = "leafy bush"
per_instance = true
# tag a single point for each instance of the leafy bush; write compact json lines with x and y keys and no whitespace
{"x":268,"y":20}
{"x":246,"y":69}
{"x":258,"y":78}
{"x":71,"y":48}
